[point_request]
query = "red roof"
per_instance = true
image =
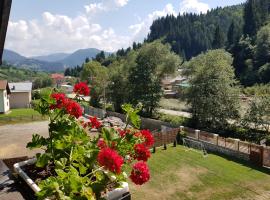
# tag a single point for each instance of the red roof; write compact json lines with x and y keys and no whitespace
{"x":57,"y":76}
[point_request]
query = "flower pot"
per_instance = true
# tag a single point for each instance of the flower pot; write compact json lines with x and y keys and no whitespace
{"x":116,"y":194}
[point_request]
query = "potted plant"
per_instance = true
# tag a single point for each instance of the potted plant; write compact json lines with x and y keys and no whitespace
{"x":78,"y":165}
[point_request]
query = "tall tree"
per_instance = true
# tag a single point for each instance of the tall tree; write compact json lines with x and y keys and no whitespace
{"x":213,"y":94}
{"x":154,"y":60}
{"x":97,"y":76}
{"x":231,"y":37}
{"x":219,"y":38}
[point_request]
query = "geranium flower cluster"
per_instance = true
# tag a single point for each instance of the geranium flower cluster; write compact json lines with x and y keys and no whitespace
{"x":70,"y":106}
{"x":140,"y":173}
{"x":81,"y":88}
{"x":111,"y":155}
{"x":94,"y":162}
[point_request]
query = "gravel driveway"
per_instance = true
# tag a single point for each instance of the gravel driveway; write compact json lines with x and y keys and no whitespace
{"x":13,"y":138}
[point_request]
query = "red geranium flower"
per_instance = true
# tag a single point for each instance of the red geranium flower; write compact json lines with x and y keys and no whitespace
{"x":59,"y":98}
{"x":81,"y":88}
{"x":95,"y":123}
{"x":110,"y":159}
{"x":140,"y":173}
{"x":101,"y":143}
{"x":73,"y":108}
{"x":141,"y":152}
{"x":123,"y":133}
{"x":147,"y":136}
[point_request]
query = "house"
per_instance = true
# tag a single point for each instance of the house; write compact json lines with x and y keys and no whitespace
{"x":171,"y":85}
{"x":20,"y":96}
{"x":4,"y":96}
{"x":58,"y":79}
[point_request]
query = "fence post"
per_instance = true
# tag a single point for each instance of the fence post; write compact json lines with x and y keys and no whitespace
{"x":236,"y":144}
{"x":216,"y":139}
{"x":197,"y":134}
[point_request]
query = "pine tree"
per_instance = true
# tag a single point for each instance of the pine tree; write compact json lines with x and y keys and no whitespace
{"x":231,"y":34}
{"x":219,"y":39}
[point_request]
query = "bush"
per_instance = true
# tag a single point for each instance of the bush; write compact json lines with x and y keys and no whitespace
{"x":174,"y":120}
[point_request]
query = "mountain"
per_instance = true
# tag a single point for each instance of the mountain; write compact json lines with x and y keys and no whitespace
{"x":51,"y":62}
{"x":20,"y":61}
{"x":79,"y":56}
{"x":191,"y":34}
{"x":12,"y":56}
{"x":52,"y":57}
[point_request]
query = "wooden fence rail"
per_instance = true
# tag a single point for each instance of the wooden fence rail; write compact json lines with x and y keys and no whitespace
{"x":259,"y":155}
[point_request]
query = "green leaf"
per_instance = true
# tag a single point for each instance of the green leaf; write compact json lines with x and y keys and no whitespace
{"x":132,"y":114}
{"x":60,"y":164}
{"x":106,"y":134}
{"x":43,"y":159}
{"x":37,"y":142}
{"x":75,"y":183}
{"x":88,"y":193}
{"x":60,"y":144}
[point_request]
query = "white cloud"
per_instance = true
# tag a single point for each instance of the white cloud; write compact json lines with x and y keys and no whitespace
{"x":140,"y":30}
{"x":94,"y":7}
{"x":60,"y":33}
{"x":105,"y":5}
{"x":193,"y":6}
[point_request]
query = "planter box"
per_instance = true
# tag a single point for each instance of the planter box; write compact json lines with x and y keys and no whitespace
{"x":116,"y":194}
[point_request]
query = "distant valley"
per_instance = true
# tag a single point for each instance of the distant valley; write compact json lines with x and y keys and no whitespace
{"x":52,"y":62}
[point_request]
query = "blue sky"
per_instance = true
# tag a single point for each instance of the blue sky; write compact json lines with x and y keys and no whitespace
{"x":48,"y":26}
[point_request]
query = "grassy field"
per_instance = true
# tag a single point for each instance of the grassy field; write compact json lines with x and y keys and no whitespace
{"x":186,"y":175}
{"x":173,"y":104}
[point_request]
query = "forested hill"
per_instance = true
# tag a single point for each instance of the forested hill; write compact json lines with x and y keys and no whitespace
{"x":191,"y":34}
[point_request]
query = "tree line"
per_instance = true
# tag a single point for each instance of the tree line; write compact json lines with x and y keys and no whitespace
{"x":242,"y":30}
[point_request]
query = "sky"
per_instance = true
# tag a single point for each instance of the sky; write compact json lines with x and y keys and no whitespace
{"x":42,"y":27}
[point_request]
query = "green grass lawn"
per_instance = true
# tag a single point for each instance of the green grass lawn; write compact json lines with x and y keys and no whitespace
{"x":187,"y":175}
{"x":20,"y":112}
{"x":21,"y":115}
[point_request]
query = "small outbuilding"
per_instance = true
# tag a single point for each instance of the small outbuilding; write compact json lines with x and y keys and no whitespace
{"x":4,"y":96}
{"x":21,"y":95}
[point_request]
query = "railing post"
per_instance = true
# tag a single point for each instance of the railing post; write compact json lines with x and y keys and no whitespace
{"x":216,"y":139}
{"x":197,"y":134}
{"x":181,"y":128}
{"x":236,"y":144}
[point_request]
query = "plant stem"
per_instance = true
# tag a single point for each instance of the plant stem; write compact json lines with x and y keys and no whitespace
{"x":98,"y":169}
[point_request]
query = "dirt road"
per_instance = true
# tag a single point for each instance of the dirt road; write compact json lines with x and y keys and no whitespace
{"x":13,"y":138}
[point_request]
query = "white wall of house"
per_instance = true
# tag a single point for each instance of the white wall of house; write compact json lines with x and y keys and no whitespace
{"x":4,"y":101}
{"x":20,"y":99}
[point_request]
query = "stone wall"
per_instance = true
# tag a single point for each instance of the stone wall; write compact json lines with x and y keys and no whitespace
{"x":147,"y":123}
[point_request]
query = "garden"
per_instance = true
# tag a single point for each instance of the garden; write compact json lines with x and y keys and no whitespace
{"x":181,"y":173}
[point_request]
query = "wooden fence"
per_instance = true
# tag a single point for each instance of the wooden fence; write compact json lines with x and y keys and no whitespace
{"x":259,"y":155}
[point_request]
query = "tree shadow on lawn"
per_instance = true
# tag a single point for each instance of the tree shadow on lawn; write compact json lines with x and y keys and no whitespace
{"x":248,"y":164}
